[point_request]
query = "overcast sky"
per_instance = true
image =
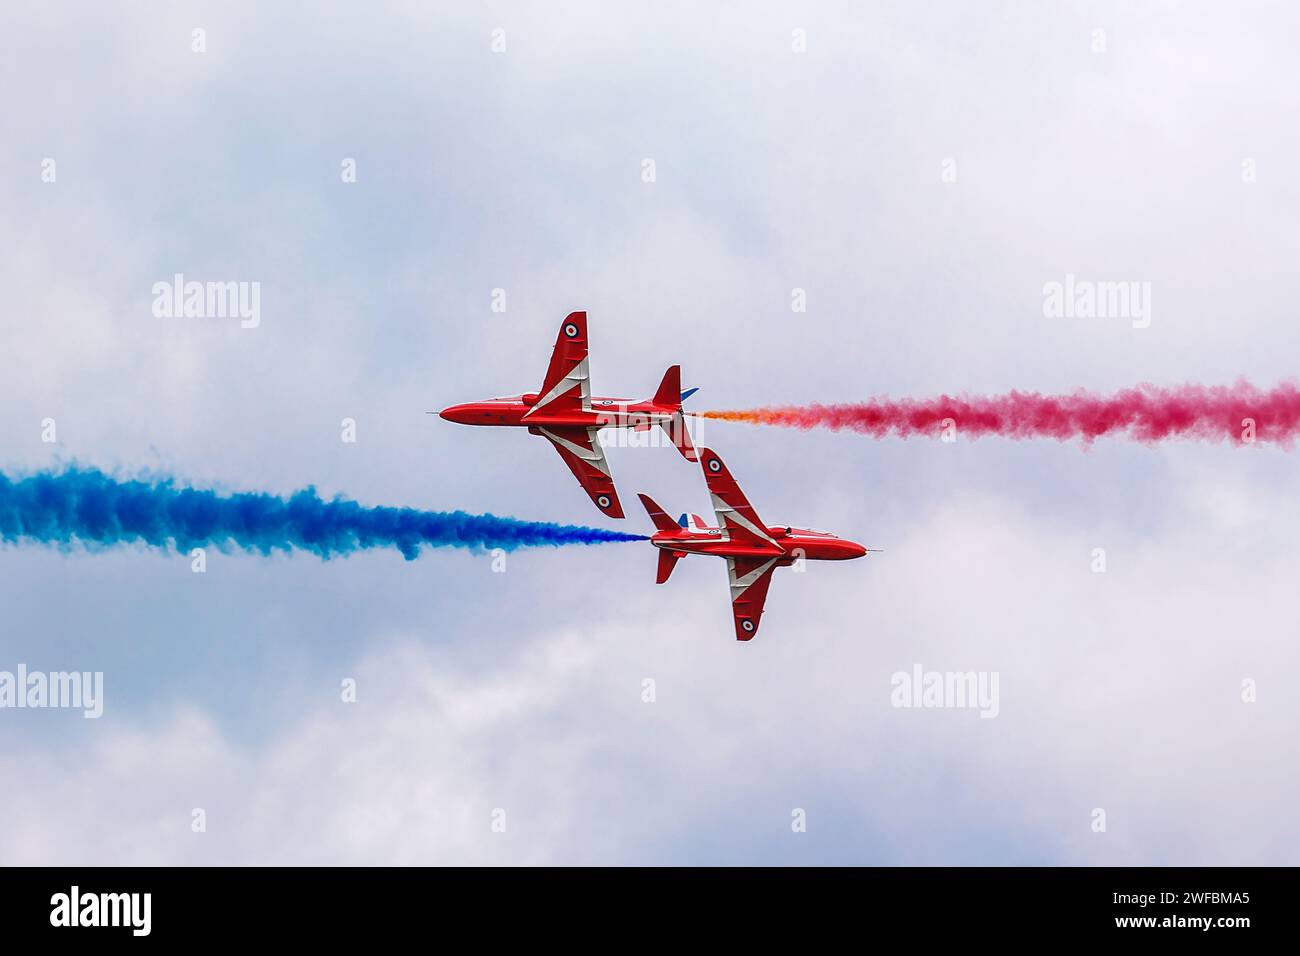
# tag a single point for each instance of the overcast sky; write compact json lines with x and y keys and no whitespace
{"x":921,"y":173}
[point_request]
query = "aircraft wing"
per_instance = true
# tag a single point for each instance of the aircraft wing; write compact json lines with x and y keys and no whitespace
{"x":735,"y":514}
{"x":566,"y":387}
{"x":749,"y":578}
{"x":586,"y":459}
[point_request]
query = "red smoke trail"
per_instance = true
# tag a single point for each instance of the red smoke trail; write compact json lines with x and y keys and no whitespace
{"x":1145,"y":413}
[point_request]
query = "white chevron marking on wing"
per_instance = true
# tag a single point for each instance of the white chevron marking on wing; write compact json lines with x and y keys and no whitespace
{"x":594,"y":455}
{"x":576,"y":375}
{"x":727,"y":514}
{"x":742,"y":584}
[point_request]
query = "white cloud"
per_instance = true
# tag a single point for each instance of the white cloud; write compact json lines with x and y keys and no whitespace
{"x":1118,"y":690}
{"x":820,"y":171}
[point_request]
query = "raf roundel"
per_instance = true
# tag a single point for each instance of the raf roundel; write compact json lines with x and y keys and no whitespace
{"x":747,"y":625}
{"x":571,"y":330}
{"x":603,"y":501}
{"x":715,"y":465}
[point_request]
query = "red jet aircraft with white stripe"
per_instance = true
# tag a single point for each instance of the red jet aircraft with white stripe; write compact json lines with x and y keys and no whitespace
{"x":753,"y":549}
{"x":565,"y":413}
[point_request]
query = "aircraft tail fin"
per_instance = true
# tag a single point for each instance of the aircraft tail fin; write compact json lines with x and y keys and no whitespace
{"x":660,"y":518}
{"x":670,"y":389}
{"x":667,"y":561}
{"x":670,"y":395}
{"x":680,"y":436}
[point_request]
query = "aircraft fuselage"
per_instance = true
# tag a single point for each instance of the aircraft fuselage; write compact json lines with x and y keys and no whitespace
{"x":789,"y":544}
{"x":518,"y":412}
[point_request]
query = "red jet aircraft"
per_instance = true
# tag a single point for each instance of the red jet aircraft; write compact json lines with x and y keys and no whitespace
{"x":753,"y":550}
{"x":565,"y":413}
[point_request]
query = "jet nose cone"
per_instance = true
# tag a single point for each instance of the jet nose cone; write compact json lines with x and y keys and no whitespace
{"x":853,"y":550}
{"x":454,"y":413}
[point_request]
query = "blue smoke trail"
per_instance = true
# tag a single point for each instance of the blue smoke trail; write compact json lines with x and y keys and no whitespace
{"x":87,"y":507}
